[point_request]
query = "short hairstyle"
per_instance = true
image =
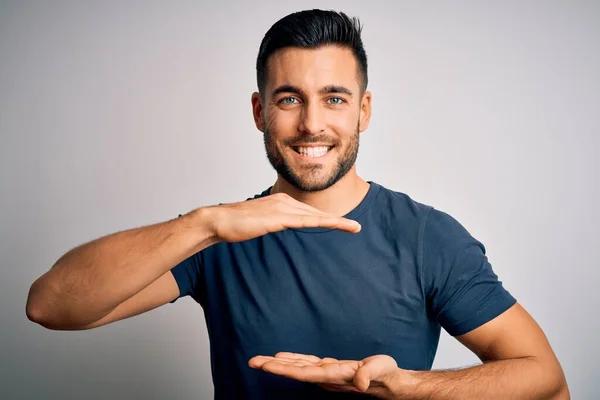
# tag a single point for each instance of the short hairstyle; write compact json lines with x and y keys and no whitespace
{"x":311,"y":29}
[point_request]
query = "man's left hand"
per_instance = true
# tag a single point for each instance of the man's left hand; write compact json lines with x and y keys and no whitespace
{"x":368,"y":376}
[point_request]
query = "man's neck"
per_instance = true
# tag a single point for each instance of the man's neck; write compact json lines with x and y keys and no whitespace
{"x":339,"y":199}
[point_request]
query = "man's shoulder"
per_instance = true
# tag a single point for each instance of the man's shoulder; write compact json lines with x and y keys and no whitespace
{"x":397,"y":212}
{"x":436,"y":224}
{"x":400,"y":203}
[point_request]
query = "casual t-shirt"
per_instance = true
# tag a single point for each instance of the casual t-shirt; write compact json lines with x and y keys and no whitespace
{"x":388,"y":289}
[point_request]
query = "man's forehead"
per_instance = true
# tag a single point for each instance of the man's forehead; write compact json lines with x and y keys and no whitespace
{"x":313,"y":69}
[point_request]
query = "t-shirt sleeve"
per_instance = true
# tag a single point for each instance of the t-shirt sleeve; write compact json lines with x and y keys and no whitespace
{"x":462,"y":290}
{"x":187,"y":274}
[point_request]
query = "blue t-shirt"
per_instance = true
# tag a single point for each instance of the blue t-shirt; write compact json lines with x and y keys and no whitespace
{"x":385,"y":290}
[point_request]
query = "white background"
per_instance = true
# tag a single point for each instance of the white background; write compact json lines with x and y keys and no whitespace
{"x":120,"y":114}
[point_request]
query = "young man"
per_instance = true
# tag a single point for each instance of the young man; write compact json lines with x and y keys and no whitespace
{"x":323,"y":285}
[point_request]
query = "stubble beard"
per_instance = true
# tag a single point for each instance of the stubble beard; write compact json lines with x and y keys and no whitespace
{"x":311,"y":178}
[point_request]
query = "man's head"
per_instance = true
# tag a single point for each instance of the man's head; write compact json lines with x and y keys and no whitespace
{"x":312,"y":100}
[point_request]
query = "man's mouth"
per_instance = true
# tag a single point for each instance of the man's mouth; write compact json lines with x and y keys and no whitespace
{"x":312,"y":151}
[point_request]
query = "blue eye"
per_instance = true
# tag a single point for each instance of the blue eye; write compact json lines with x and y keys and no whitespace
{"x":288,"y":100}
{"x":335,"y":100}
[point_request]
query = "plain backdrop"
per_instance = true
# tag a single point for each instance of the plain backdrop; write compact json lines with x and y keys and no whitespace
{"x":119,"y":114}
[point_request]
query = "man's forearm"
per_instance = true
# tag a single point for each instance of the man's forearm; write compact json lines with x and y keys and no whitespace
{"x":523,"y":378}
{"x":90,"y":280}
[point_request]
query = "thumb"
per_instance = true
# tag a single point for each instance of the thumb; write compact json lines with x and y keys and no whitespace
{"x":362,"y":376}
{"x":373,"y":368}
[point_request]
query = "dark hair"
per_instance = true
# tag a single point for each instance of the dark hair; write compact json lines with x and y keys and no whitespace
{"x":310,"y":29}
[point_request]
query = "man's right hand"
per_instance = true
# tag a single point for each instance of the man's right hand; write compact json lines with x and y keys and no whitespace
{"x":236,"y":222}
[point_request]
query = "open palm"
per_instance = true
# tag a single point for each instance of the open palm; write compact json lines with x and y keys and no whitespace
{"x":365,"y":376}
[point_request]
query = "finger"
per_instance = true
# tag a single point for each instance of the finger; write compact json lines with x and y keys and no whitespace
{"x":340,"y":223}
{"x":362,"y":379}
{"x":307,"y":357}
{"x":302,"y":208}
{"x":304,"y":373}
{"x":292,"y":361}
{"x":297,"y":216}
{"x":335,"y":360}
{"x":337,"y":374}
{"x":258,"y":361}
{"x":308,"y":221}
{"x":295,"y":207}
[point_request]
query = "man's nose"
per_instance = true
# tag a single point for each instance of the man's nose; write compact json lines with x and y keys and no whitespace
{"x":312,"y":119}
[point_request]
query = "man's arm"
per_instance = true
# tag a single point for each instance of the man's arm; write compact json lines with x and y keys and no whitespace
{"x":118,"y":275}
{"x":518,"y":363}
{"x":127,"y":273}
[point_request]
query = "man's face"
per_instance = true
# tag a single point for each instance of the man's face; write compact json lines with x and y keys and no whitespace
{"x":311,"y":115}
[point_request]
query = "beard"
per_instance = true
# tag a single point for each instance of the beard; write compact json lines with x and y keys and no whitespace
{"x":311,"y":177}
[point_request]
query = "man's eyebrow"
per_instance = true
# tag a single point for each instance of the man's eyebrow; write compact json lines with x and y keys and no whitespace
{"x":335,"y":89}
{"x":287,"y":89}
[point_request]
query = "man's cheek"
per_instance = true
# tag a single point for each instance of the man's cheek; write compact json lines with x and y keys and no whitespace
{"x":344,"y":123}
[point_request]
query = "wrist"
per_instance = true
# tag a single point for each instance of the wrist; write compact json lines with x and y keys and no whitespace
{"x":402,"y":384}
{"x":201,"y":222}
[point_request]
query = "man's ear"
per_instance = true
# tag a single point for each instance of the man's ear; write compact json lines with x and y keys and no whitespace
{"x":257,"y":111}
{"x":365,"y":112}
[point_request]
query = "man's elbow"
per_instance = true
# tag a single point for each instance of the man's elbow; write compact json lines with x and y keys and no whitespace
{"x":33,"y":312}
{"x":40,"y":308}
{"x":37,"y":311}
{"x":48,"y":320}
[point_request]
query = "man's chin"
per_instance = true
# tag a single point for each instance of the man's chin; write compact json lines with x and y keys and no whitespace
{"x":311,"y":183}
{"x":307,"y":177}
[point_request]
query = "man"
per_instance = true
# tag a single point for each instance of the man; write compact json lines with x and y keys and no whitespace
{"x":324,"y":285}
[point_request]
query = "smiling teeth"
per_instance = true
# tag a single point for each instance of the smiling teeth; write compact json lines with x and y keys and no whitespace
{"x":313,"y":151}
